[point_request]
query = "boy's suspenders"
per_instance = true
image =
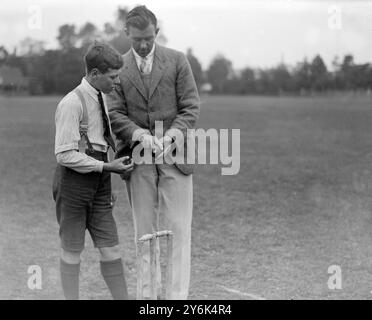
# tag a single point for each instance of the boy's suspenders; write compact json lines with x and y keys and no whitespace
{"x":83,"y":127}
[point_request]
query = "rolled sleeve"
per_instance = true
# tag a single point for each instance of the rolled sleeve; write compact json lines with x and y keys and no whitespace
{"x":79,"y":162}
{"x":99,"y":166}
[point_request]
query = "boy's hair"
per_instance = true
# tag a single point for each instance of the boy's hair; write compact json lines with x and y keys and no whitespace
{"x":102,"y":56}
{"x":140,"y":17}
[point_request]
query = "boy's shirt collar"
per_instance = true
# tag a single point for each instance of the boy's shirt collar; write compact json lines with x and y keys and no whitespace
{"x":93,"y":92}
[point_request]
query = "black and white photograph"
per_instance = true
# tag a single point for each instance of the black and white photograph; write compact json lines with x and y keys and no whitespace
{"x":186,"y":150}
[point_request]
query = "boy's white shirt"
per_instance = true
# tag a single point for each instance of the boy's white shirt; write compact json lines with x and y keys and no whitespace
{"x":68,"y":116}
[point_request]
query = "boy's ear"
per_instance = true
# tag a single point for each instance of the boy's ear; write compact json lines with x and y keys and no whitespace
{"x":94,"y":72}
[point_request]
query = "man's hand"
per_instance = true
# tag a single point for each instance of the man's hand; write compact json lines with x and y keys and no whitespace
{"x":118,"y":166}
{"x":166,"y":143}
{"x":150,"y":142}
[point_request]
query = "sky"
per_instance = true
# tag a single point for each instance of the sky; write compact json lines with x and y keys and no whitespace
{"x":249,"y":33}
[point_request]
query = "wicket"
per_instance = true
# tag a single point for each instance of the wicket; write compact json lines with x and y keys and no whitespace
{"x":154,"y":239}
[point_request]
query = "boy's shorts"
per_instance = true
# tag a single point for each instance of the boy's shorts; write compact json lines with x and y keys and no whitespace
{"x":83,"y":201}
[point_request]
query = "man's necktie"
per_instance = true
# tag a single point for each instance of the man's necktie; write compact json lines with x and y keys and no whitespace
{"x":143,"y":67}
{"x":106,"y":125}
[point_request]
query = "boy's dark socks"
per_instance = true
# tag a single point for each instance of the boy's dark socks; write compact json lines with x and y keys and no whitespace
{"x":113,"y":274}
{"x":70,"y":279}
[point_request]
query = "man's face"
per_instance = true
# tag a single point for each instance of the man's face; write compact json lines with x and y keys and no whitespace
{"x":142,"y":40}
{"x":105,"y":82}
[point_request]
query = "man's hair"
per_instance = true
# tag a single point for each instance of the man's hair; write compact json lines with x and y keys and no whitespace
{"x":140,"y":17}
{"x":102,"y":56}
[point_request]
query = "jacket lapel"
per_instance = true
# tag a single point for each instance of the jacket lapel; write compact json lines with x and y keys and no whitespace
{"x":158,"y":69}
{"x":132,"y":73}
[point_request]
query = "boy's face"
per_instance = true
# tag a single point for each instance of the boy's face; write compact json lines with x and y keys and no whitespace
{"x":142,"y":40}
{"x":105,"y":82}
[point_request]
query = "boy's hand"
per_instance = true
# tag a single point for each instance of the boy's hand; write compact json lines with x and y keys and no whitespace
{"x":118,"y":165}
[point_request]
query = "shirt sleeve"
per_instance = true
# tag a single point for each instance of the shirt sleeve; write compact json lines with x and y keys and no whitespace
{"x":67,"y":118}
{"x":79,"y":162}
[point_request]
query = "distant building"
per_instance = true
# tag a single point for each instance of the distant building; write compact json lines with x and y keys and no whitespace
{"x":206,"y":88}
{"x":12,"y":80}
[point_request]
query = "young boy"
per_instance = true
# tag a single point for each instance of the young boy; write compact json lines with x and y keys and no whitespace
{"x":82,"y":181}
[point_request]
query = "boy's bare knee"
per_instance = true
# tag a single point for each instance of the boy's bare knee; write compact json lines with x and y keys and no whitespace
{"x":70,"y":256}
{"x":109,"y":253}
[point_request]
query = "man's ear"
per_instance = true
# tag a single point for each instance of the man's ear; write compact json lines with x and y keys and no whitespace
{"x":157,"y":31}
{"x":126,"y":32}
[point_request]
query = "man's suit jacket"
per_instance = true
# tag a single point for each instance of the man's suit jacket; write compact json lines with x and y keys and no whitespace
{"x":173,"y":98}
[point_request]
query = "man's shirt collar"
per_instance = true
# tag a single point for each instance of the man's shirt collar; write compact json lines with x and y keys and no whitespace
{"x":148,"y":57}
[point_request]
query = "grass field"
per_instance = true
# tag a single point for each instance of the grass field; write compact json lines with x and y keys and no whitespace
{"x":301,"y":202}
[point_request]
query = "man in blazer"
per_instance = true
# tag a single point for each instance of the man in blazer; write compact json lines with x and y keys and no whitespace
{"x":157,"y":84}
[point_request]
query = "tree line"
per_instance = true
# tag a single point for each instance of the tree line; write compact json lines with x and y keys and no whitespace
{"x":305,"y":77}
{"x":60,"y":70}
